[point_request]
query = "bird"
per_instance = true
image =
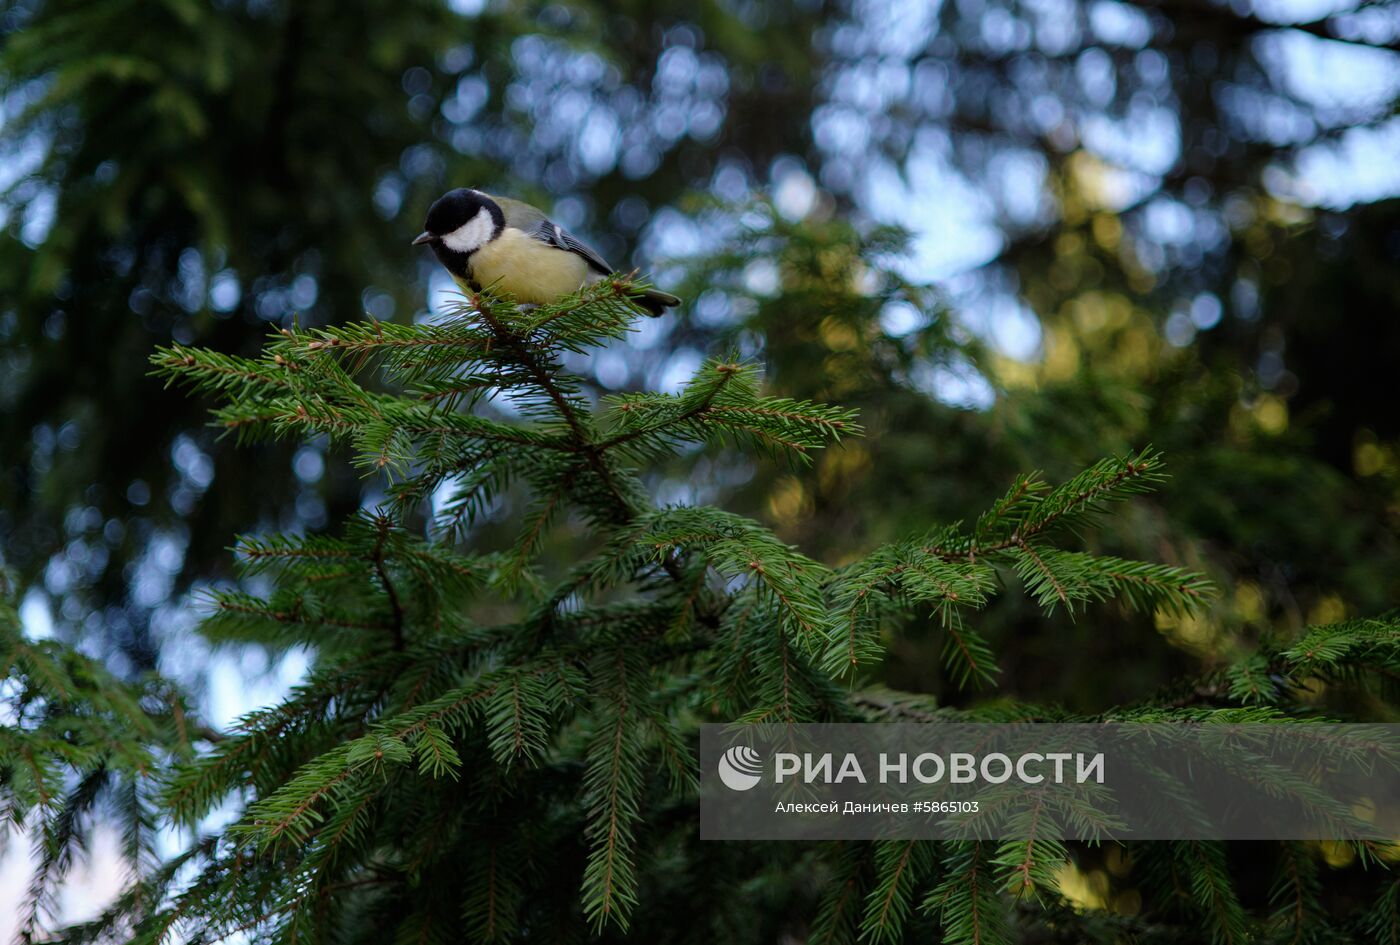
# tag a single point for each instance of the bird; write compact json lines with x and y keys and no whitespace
{"x":512,"y":247}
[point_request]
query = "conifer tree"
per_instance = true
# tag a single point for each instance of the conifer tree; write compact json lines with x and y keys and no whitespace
{"x":491,"y":747}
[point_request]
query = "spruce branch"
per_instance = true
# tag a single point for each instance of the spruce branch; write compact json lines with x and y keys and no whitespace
{"x":377,"y":556}
{"x":901,"y":866}
{"x":839,"y":916}
{"x":612,"y":782}
{"x":472,"y":715}
{"x":722,"y":401}
{"x":953,"y":573}
{"x":965,"y":901}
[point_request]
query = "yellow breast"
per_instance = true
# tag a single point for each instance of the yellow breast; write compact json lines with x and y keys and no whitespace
{"x":527,"y":269}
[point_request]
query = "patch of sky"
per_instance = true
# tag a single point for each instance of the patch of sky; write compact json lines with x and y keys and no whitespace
{"x":1119,"y":24}
{"x":956,"y":383}
{"x":1359,"y":168}
{"x":951,"y":221}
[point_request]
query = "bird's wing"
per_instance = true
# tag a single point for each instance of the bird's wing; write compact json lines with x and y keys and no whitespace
{"x":533,"y":222}
{"x":555,"y":235}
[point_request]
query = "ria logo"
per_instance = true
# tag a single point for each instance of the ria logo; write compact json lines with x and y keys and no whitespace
{"x":740,"y":768}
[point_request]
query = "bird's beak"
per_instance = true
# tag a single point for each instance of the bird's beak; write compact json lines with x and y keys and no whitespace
{"x":424,"y":237}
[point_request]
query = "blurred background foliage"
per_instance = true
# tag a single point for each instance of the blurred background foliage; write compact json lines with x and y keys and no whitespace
{"x":1017,"y":234}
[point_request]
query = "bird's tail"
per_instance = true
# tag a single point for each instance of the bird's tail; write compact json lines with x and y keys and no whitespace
{"x":656,"y":302}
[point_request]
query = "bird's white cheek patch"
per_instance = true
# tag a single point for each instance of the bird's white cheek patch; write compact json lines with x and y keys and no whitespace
{"x":472,"y":235}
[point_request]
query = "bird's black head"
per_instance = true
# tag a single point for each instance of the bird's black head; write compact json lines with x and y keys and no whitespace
{"x":459,"y":223}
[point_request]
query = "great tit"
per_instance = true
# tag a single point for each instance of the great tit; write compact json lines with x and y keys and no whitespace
{"x":512,"y":246}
